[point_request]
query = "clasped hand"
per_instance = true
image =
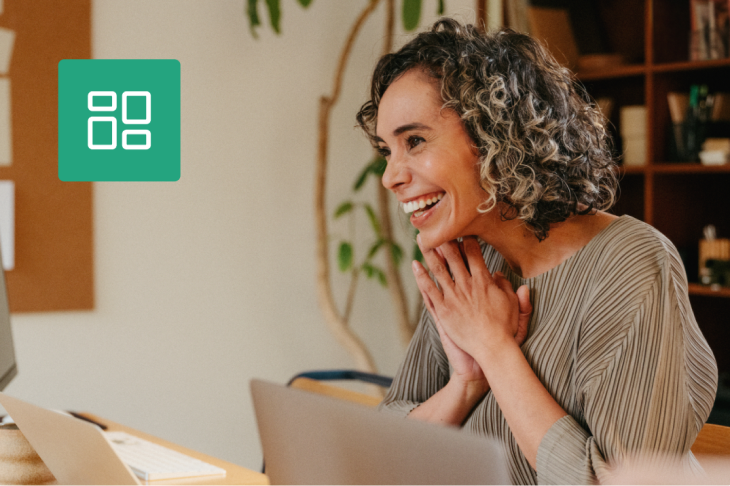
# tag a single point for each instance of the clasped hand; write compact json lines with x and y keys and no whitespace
{"x":475,"y":312}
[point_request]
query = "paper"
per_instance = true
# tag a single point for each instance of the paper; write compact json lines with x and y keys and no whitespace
{"x":7,"y":39}
{"x":7,"y":224}
{"x":6,"y":149}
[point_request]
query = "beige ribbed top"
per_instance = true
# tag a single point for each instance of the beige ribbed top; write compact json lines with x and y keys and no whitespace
{"x":613,"y":339}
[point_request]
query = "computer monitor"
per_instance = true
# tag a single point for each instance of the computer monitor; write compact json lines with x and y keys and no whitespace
{"x":8,"y":368}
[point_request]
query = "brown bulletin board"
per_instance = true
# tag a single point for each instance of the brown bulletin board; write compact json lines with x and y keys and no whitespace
{"x":53,"y":219}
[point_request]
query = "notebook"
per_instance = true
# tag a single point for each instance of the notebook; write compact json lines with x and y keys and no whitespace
{"x":309,"y":438}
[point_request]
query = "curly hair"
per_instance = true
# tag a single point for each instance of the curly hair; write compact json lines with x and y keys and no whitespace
{"x":544,"y":151}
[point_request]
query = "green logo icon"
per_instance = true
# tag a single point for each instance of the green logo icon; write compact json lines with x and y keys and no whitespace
{"x":119,"y":120}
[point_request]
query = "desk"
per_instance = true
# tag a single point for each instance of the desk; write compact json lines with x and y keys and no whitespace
{"x":234,"y":474}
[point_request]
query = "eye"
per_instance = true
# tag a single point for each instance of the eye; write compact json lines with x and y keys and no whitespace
{"x":414,"y":141}
{"x":384,"y":152}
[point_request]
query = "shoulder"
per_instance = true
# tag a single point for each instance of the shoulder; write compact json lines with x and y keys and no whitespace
{"x":635,"y":272}
{"x":628,"y":236}
{"x":631,"y":254}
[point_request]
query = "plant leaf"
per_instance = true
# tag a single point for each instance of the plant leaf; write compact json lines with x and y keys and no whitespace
{"x":274,"y":14}
{"x":253,"y":17}
{"x":343,"y":209}
{"x":305,"y":3}
{"x":368,"y":269}
{"x":397,"y":253}
{"x":417,"y":255}
{"x":361,"y":178}
{"x":411,"y":14}
{"x":373,"y":219}
{"x":381,"y":277}
{"x":441,"y":9}
{"x":378,"y":166}
{"x":371,"y":271}
{"x":344,"y":256}
{"x":374,"y":249}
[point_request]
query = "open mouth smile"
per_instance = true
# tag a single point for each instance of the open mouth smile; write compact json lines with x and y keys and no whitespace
{"x":422,"y":204}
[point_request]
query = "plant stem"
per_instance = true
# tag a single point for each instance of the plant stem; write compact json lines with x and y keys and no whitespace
{"x":337,"y":322}
{"x":406,"y":326}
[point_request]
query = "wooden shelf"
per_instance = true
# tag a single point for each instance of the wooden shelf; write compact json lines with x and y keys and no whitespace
{"x":697,"y":289}
{"x":632,"y":169}
{"x":689,"y":65}
{"x":615,"y":72}
{"x":642,"y":69}
{"x":674,"y":168}
{"x":688,"y":168}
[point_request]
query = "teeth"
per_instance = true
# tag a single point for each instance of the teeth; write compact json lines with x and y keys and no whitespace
{"x":415,"y":205}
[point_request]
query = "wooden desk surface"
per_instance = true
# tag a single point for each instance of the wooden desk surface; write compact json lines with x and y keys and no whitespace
{"x":235,"y":474}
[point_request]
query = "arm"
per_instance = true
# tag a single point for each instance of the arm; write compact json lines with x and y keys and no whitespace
{"x":480,"y":314}
{"x":632,"y":367}
{"x":422,"y":374}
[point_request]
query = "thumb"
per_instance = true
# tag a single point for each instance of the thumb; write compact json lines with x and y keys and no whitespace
{"x":523,"y":298}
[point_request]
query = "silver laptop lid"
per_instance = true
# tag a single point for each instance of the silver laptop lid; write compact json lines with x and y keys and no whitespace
{"x":313,"y":439}
{"x":75,"y":451}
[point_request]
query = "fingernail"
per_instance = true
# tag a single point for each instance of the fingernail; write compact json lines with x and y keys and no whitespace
{"x":416,"y":267}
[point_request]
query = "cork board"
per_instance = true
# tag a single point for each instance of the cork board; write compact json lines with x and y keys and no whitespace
{"x":53,"y":219}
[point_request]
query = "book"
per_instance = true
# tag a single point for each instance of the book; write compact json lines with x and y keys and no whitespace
{"x":678,"y":105}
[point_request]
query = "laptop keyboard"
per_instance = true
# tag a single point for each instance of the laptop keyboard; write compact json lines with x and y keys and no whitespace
{"x":150,"y":461}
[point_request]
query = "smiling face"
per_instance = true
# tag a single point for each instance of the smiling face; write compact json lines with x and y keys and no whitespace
{"x":432,"y":162}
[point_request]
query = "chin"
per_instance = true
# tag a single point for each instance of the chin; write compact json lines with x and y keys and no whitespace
{"x":434,"y":239}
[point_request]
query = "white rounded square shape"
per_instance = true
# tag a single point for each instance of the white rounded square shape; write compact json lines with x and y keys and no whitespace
{"x":146,"y":133}
{"x":92,"y":94}
{"x":148,"y":106}
{"x":110,"y":146}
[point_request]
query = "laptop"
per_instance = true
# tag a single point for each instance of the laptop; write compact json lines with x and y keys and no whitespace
{"x":309,"y":438}
{"x":76,"y":452}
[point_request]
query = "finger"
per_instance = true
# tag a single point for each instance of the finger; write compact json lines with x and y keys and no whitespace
{"x":523,"y":297}
{"x":431,"y":294}
{"x":501,"y":281}
{"x":455,"y":262}
{"x":437,"y":265}
{"x":523,"y":321}
{"x":474,"y":257}
{"x":463,"y":256}
{"x":440,"y":253}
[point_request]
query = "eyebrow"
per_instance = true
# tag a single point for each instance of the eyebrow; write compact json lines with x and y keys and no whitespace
{"x":404,"y":128}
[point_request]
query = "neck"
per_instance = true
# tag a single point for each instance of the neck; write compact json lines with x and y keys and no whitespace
{"x":529,"y":257}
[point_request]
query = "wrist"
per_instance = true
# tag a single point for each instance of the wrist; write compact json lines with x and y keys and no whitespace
{"x":494,"y":350}
{"x":469,"y":392}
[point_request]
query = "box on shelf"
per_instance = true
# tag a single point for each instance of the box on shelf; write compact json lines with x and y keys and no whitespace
{"x":715,"y":249}
{"x":633,"y":134}
{"x":715,"y":151}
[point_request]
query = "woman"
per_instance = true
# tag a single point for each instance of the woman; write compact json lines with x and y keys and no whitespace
{"x":597,"y":355}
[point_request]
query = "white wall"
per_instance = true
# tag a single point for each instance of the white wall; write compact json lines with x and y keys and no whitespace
{"x":204,"y":283}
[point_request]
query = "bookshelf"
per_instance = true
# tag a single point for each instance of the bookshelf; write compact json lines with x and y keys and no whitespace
{"x":679,"y":199}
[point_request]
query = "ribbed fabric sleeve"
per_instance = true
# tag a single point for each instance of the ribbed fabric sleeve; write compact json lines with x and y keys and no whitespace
{"x":424,"y":372}
{"x":613,"y":339}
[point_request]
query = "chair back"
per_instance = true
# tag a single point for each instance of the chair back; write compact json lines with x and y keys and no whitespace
{"x":712,"y":439}
{"x":315,"y":386}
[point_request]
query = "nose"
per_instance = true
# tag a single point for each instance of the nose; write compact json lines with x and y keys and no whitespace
{"x":396,"y":173}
